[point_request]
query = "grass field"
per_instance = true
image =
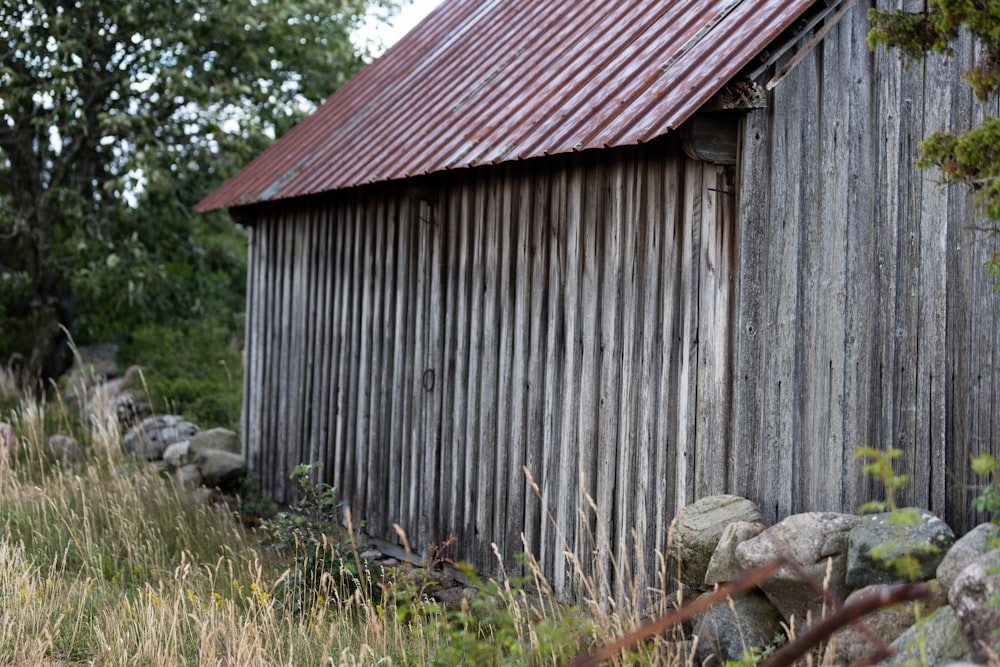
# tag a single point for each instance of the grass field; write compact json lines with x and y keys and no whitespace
{"x":109,"y":563}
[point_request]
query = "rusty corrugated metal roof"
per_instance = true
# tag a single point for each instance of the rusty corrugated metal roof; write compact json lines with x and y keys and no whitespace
{"x":485,"y":81}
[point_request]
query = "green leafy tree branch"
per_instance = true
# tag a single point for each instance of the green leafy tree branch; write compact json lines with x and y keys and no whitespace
{"x":973,"y":156}
{"x":117,"y":116}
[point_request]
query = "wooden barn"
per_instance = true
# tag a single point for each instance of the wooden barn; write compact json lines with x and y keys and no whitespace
{"x":548,"y":270}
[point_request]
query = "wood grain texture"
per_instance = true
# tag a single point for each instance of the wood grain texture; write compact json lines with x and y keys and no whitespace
{"x":869,"y":268}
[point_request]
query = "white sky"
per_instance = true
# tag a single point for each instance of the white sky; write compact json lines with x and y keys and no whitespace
{"x":380,"y":36}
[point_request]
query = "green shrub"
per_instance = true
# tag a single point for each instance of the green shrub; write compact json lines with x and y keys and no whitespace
{"x":194,"y":369}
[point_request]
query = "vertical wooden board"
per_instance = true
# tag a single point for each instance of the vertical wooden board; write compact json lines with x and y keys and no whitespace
{"x":750,"y":444}
{"x":402,"y":326}
{"x":778,"y":400}
{"x":860,"y":311}
{"x":701,"y":265}
{"x":725,"y":308}
{"x":504,"y":398}
{"x":310,"y":441}
{"x":631,"y":383}
{"x":434,"y":385}
{"x":416,"y":361}
{"x":567,"y":464}
{"x":819,"y":362}
{"x":252,"y":352}
{"x":535,"y":224}
{"x":608,"y":231}
{"x":490,"y":446}
{"x":881,"y":282}
{"x":833,"y":336}
{"x":319,"y":396}
{"x":275,"y":342}
{"x":300,"y":357}
{"x":345,"y":353}
{"x":713,"y":363}
{"x":383,"y":471}
{"x":890,"y":109}
{"x":517,"y":309}
{"x":349,"y":483}
{"x":338,"y":287}
{"x":975,"y":343}
{"x":960,"y":310}
{"x":362,"y":348}
{"x":554,"y":536}
{"x":651,"y":225}
{"x":447,"y":377}
{"x":667,"y":438}
{"x":901,"y":245}
{"x":972,"y":354}
{"x":584,"y":405}
{"x":686,"y":456}
{"x":309,"y":286}
{"x":904,"y":363}
{"x":372,"y":480}
{"x":460,"y":260}
{"x":932,"y":304}
{"x":284,"y":314}
{"x":343,"y":347}
{"x":263,"y":233}
{"x":474,"y":449}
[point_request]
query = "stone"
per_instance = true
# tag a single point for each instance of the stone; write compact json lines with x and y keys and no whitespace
{"x":216,"y":438}
{"x":731,"y":629}
{"x":453,"y":597}
{"x":849,"y":645}
{"x":965,"y":551}
{"x":92,"y":364}
{"x":110,"y":400}
{"x":925,"y":541}
{"x":975,"y":597}
{"x":723,"y":566}
{"x":178,"y":454}
{"x":939,"y":637}
{"x":220,"y":469}
{"x":697,"y":530}
{"x":815,"y":541}
{"x":64,"y":449}
{"x":188,"y":475}
{"x":150,"y":438}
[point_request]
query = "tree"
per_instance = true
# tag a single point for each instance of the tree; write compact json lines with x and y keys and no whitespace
{"x":972,"y":157}
{"x":121,"y":113}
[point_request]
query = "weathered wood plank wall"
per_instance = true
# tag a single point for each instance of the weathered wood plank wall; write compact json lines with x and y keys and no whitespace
{"x":429,"y":340}
{"x":613,"y":322}
{"x":864,"y":314}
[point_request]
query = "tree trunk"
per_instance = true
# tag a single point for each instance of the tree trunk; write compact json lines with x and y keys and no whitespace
{"x":50,"y":303}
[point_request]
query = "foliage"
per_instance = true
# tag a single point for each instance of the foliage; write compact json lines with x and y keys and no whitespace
{"x":988,"y":500}
{"x":973,"y":156}
{"x":116,"y":118}
{"x":758,"y":655}
{"x":899,"y":556}
{"x":194,"y":368}
{"x":322,"y":565}
{"x":879,"y":464}
{"x":165,"y":274}
{"x":493,"y":629}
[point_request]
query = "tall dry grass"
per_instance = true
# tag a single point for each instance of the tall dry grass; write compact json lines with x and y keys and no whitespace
{"x":108,"y":563}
